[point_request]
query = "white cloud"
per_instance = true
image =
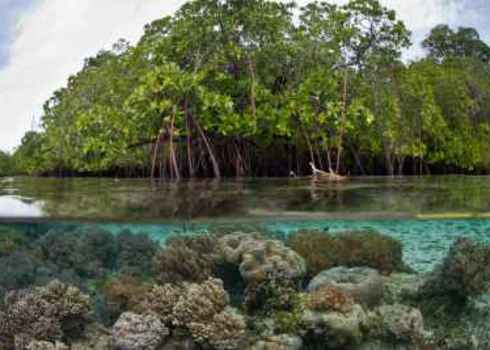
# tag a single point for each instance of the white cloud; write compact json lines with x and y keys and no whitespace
{"x":52,"y":41}
{"x":56,"y":35}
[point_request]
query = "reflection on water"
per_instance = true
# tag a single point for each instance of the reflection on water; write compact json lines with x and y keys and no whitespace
{"x":140,"y":199}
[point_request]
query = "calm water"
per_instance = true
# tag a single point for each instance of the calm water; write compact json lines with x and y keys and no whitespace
{"x":139,"y":200}
{"x":425,"y":214}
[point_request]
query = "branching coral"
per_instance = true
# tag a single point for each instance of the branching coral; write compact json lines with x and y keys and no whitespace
{"x":49,"y":313}
{"x":11,"y":240}
{"x":89,"y":252}
{"x":201,"y":309}
{"x":224,"y":331}
{"x":364,"y":248}
{"x":160,"y":300}
{"x":200,"y":302}
{"x":186,"y":259}
{"x":135,"y":253}
{"x":138,"y":332}
{"x":274,"y":294}
{"x":122,"y":294}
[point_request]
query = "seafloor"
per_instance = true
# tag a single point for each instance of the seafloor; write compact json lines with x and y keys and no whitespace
{"x":331,"y":284}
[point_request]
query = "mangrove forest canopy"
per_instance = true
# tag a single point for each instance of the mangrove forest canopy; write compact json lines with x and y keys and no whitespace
{"x":263,"y":88}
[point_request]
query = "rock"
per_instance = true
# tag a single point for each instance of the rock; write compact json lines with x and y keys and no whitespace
{"x":135,"y":332}
{"x":335,"y":329}
{"x":364,"y":284}
{"x":402,"y":322}
{"x":279,"y":342}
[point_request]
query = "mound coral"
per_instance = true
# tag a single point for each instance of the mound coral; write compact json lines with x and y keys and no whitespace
{"x":464,"y":273}
{"x":54,"y":312}
{"x":186,"y":259}
{"x":358,"y":248}
{"x":329,"y":299}
{"x":364,"y":284}
{"x":258,"y":258}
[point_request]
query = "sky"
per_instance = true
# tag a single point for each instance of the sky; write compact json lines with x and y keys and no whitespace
{"x":43,"y":42}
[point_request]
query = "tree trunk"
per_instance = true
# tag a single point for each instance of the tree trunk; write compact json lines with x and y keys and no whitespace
{"x":251,"y":69}
{"x":343,"y":118}
{"x":390,"y":166}
{"x":205,"y":139}
{"x":190,"y":161}
{"x":173,"y":157}
{"x":155,"y":152}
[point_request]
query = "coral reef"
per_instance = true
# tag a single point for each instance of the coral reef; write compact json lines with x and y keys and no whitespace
{"x":54,"y":312}
{"x":186,"y":259}
{"x":352,"y":249}
{"x":364,"y":284}
{"x":138,"y":332}
{"x":170,"y":297}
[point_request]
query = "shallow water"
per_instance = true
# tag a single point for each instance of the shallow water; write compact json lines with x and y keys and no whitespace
{"x":143,"y":200}
{"x":426,"y":214}
{"x":425,"y":242}
{"x":56,"y":228}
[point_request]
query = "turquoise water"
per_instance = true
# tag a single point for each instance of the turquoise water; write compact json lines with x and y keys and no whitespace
{"x":425,"y":242}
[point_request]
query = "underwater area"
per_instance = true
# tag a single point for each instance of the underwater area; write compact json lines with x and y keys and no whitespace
{"x":369,"y":263}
